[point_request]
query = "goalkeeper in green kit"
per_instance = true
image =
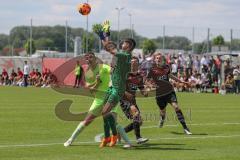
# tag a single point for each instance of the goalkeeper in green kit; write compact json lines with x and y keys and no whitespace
{"x":121,"y":68}
{"x":116,"y":91}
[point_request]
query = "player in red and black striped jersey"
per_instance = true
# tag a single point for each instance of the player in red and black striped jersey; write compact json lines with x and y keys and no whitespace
{"x":128,"y":101}
{"x":160,"y":74}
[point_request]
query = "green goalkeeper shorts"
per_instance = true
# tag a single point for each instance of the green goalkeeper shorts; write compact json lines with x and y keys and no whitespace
{"x":112,"y":96}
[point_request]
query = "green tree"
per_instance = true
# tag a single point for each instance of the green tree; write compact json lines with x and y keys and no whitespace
{"x":3,"y":41}
{"x":218,"y":41}
{"x":44,"y":43}
{"x":18,"y":36}
{"x":27,"y":47}
{"x":91,"y":42}
{"x":149,"y":46}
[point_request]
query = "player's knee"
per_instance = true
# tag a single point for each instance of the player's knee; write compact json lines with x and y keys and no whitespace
{"x":177,"y":108}
{"x":86,"y":122}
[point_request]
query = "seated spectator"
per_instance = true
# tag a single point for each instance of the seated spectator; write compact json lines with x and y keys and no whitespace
{"x":19,"y":78}
{"x":32,"y":77}
{"x":193,"y":82}
{"x":205,"y":82}
{"x":4,"y":77}
{"x":236,"y":74}
{"x":38,"y":80}
{"x":49,"y":80}
{"x":13,"y":78}
{"x":229,"y":84}
{"x":1,"y":80}
{"x":198,"y":83}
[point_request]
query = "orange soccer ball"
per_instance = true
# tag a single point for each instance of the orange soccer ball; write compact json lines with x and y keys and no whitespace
{"x":84,"y":9}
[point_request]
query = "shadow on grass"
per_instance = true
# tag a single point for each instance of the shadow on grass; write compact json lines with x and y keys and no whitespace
{"x":160,"y":146}
{"x":194,"y":134}
{"x":147,"y":146}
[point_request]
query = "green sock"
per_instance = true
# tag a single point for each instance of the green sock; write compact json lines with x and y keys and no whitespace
{"x":123,"y":134}
{"x":106,"y":127}
{"x":112,"y":123}
{"x":77,"y":131}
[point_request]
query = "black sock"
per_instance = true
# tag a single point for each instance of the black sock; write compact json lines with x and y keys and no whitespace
{"x":112,"y":123}
{"x":181,"y":119}
{"x":129,"y":128}
{"x":163,"y":117}
{"x":136,"y":126}
{"x":106,"y":127}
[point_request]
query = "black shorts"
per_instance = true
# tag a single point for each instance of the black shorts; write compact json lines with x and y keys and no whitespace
{"x":164,"y":100}
{"x":125,"y":106}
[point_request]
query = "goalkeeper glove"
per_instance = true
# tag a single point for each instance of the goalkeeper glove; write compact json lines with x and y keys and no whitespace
{"x":98,"y":29}
{"x":106,"y":28}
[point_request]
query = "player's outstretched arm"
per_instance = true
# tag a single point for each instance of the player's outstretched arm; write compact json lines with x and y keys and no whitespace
{"x":109,"y":46}
{"x":103,"y":31}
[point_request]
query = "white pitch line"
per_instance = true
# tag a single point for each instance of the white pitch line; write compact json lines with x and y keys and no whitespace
{"x":197,"y":124}
{"x":167,"y":138}
{"x":152,"y":139}
{"x":197,"y":137}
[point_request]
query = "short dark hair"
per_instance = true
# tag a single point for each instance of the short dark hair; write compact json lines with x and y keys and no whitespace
{"x":131,"y":41}
{"x":134,"y":57}
{"x":90,"y":53}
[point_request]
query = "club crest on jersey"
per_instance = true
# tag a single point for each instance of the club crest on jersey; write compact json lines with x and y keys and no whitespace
{"x":163,"y":77}
{"x":133,"y":87}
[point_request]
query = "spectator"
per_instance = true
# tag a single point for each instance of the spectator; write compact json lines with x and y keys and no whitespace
{"x":218,"y":63}
{"x":19,"y":78}
{"x":204,"y":63}
{"x":196,"y":64}
{"x":174,"y":68}
{"x":26,"y":71}
{"x":236,"y":74}
{"x":229,"y":84}
{"x":32,"y":77}
{"x":39,"y":79}
{"x":13,"y":77}
{"x":227,"y":68}
{"x":78,"y":74}
{"x":4,"y":77}
{"x":189,"y":63}
{"x":1,"y":80}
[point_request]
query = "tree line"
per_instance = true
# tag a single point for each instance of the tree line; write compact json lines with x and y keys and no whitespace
{"x":53,"y":38}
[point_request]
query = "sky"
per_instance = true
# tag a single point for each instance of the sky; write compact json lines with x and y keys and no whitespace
{"x":148,"y":16}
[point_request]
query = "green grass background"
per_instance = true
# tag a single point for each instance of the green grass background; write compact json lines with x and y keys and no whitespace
{"x":27,"y":117}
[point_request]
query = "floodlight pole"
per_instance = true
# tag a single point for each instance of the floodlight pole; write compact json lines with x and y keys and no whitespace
{"x":66,"y":35}
{"x":193,"y":39}
{"x":231,"y":40}
{"x":208,"y":40}
{"x":31,"y":36}
{"x":87,"y":33}
{"x":163,"y":37}
{"x":131,"y":29}
{"x":119,"y":9}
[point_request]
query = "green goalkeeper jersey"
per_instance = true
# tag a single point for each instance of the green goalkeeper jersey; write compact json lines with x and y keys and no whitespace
{"x":121,"y":69}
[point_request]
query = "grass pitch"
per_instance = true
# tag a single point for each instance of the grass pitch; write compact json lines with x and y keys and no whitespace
{"x":30,"y":130}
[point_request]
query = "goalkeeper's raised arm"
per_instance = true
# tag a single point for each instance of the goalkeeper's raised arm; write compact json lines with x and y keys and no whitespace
{"x":103,"y":31}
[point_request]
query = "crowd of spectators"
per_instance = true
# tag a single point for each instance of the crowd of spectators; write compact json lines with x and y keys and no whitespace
{"x":34,"y":78}
{"x":203,"y":73}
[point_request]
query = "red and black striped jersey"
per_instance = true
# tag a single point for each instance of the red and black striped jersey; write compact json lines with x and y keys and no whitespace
{"x":160,"y":76}
{"x":134,"y":82}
